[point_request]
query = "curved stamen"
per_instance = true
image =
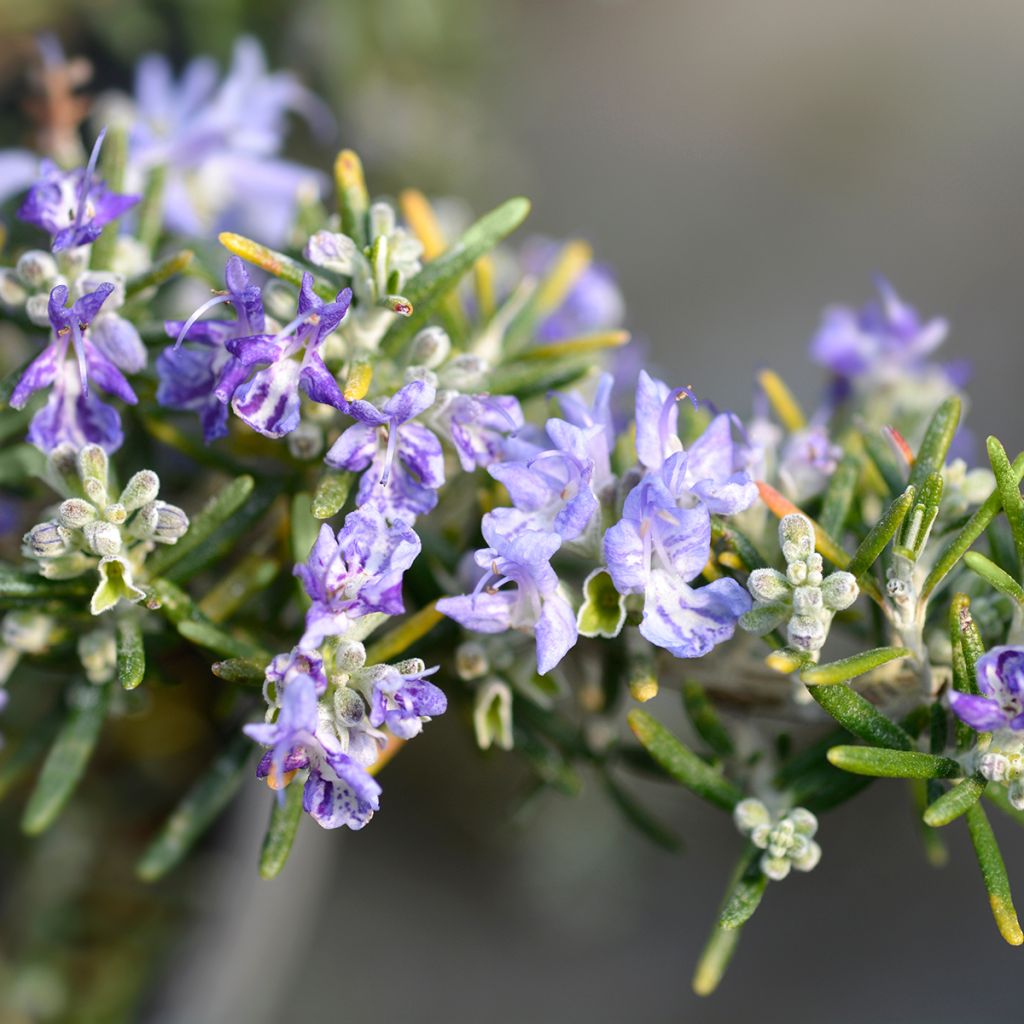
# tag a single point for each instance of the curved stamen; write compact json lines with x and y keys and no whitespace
{"x":90,"y":169}
{"x":191,"y":321}
{"x":290,"y":328}
{"x":389,"y":454}
{"x":76,"y":335}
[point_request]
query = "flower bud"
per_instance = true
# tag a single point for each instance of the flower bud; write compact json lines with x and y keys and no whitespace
{"x":12,"y":292}
{"x":143,"y":488}
{"x":47,"y":540}
{"x":26,"y":631}
{"x":839,"y":591}
{"x":349,"y":706}
{"x":796,"y":534}
{"x":470,"y":660}
{"x":768,"y":585}
{"x":749,"y":814}
{"x":92,"y":464}
{"x":411,"y":667}
{"x":161,"y":522}
{"x":75,"y":513}
{"x":807,"y":632}
{"x":36,"y":268}
{"x":97,"y":651}
{"x":37,"y":309}
{"x":430,"y":348}
{"x":103,"y":538}
{"x":306,"y":441}
{"x":350,"y":656}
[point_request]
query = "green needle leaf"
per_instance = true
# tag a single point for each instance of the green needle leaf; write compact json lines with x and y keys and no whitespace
{"x":705,"y":719}
{"x":441,"y":275}
{"x":744,"y":898}
{"x":955,"y":801}
{"x":276,"y":263}
{"x":972,"y":530}
{"x":285,"y":816}
{"x":993,"y":575}
{"x":931,"y":456}
{"x":682,"y":763}
{"x":849,"y":668}
{"x":70,"y":753}
{"x":874,"y":543}
{"x":243,"y":671}
{"x":331,"y":494}
{"x":113,"y":157}
{"x":1009,"y":493}
{"x":859,"y":716}
{"x":198,"y":810}
{"x":638,"y":815}
{"x":217,"y":511}
{"x":993,"y":871}
{"x":131,"y":655}
{"x":893,"y":764}
{"x":839,"y":496}
{"x":161,"y":271}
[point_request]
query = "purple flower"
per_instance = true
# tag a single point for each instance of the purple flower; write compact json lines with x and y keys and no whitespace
{"x":1000,"y":705}
{"x":555,"y":486}
{"x":587,"y":416}
{"x":358,"y":572}
{"x":809,"y":458}
{"x":479,"y":425}
{"x":217,"y":142}
{"x":404,"y":461}
{"x":339,"y":791}
{"x":403,"y":701}
{"x":656,"y":549}
{"x":269,"y":400}
{"x":73,"y":413}
{"x":73,"y":206}
{"x":203,"y":377}
{"x":593,"y":303}
{"x":518,"y":554}
{"x":881,"y":336}
{"x":713,"y":469}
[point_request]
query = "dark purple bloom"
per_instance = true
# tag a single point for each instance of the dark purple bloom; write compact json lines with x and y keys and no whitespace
{"x":404,"y":462}
{"x":358,"y":572}
{"x":881,"y":336}
{"x":269,"y":400}
{"x":518,"y":554}
{"x":73,"y":413}
{"x":203,"y":377}
{"x":1000,"y":705}
{"x":73,"y":206}
{"x":403,"y":701}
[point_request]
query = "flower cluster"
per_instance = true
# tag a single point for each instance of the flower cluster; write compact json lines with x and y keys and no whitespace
{"x":787,"y":839}
{"x":93,"y":532}
{"x":329,"y":713}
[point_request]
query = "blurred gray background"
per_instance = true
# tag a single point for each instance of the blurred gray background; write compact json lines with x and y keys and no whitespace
{"x":741,"y":165}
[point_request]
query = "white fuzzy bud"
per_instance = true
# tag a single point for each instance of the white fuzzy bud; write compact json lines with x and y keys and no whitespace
{"x":36,"y":268}
{"x":47,"y":540}
{"x":102,"y":538}
{"x":430,"y":348}
{"x":143,"y":488}
{"x":75,"y":513}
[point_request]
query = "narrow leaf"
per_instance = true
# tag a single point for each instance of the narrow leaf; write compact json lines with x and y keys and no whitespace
{"x":440,"y":276}
{"x":971,"y":531}
{"x":244,"y":671}
{"x":353,"y":199}
{"x":285,"y":816}
{"x":681,"y":763}
{"x":705,"y":719}
{"x":638,"y":816}
{"x":131,"y":654}
{"x":879,"y":535}
{"x":113,"y":157}
{"x":215,"y":513}
{"x":1009,"y":493}
{"x":839,"y":496}
{"x":993,"y":575}
{"x":993,"y":871}
{"x":931,"y":456}
{"x":722,"y":941}
{"x":849,"y":668}
{"x":955,"y":801}
{"x":70,"y":753}
{"x":161,"y":271}
{"x":893,"y":764}
{"x":859,"y":716}
{"x":331,"y":494}
{"x":402,"y":637}
{"x":781,"y":399}
{"x":276,"y":263}
{"x":198,"y":810}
